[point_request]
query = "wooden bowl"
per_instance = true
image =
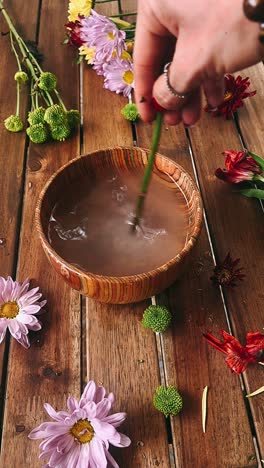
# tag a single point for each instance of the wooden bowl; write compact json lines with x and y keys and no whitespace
{"x":123,"y":289}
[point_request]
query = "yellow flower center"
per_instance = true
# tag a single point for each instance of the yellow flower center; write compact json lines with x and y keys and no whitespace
{"x":228,"y":95}
{"x":9,"y":310}
{"x":128,"y":77}
{"x":82,"y":431}
{"x":111,"y":36}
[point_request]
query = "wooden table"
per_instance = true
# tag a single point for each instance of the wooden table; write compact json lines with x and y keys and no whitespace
{"x":82,"y":339}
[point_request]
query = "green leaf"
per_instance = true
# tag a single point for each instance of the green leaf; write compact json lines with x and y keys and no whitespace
{"x":255,"y":193}
{"x":258,"y":159}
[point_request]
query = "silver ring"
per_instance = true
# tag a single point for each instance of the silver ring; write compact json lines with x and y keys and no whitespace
{"x":170,"y":88}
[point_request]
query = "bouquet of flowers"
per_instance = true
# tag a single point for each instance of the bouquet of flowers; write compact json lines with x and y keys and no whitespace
{"x":105,"y":43}
{"x":48,"y":118}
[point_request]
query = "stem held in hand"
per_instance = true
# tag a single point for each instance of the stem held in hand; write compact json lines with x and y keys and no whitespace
{"x":148,"y":170}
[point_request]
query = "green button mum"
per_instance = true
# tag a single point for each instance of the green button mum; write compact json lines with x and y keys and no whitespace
{"x":13,"y":123}
{"x":47,"y":81}
{"x":38,"y":133}
{"x":156,"y":317}
{"x":21,"y":77}
{"x":168,"y":400}
{"x":130,"y":112}
{"x":36,"y":116}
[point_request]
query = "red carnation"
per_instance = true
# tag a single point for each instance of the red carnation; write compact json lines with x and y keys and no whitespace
{"x":74,"y":30}
{"x":238,"y":356}
{"x":235,"y":92}
{"x":239,"y":167}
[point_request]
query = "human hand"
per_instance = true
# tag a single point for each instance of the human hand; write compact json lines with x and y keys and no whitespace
{"x":213,"y":38}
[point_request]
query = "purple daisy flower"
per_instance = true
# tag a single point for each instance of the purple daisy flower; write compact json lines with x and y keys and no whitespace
{"x":119,"y":76}
{"x":18,"y":303}
{"x":80,"y":437}
{"x":100,"y":32}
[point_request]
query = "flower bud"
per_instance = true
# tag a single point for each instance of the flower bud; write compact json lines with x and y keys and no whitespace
{"x":54,"y":115}
{"x":168,"y":400}
{"x":158,"y":318}
{"x":47,"y":81}
{"x":130,"y":112}
{"x":73,"y":118}
{"x":36,"y":116}
{"x":61,"y":132}
{"x":38,"y":133}
{"x":13,"y":123}
{"x":21,"y":77}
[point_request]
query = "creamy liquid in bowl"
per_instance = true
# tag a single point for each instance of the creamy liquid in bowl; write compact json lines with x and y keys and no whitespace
{"x":89,"y":225}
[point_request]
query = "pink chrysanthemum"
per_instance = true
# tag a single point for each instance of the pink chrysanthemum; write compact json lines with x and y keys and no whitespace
{"x":119,"y":76}
{"x":81,"y":436}
{"x":100,"y":32}
{"x":18,"y":307}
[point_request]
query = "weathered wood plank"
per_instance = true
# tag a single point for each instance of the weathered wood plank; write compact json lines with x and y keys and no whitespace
{"x":120,"y":353}
{"x":251,"y":120}
{"x":236,"y":226}
{"x":50,"y":370}
{"x":12,"y":145}
{"x":190,"y":363}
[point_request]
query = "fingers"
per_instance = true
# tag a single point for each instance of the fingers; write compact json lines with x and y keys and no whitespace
{"x":214,"y":91}
{"x":148,"y":56}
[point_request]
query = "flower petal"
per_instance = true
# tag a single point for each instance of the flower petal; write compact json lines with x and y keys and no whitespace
{"x":97,"y":453}
{"x":115,"y":419}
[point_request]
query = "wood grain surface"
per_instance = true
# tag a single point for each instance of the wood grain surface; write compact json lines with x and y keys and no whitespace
{"x":50,"y":370}
{"x":190,"y":363}
{"x":84,"y":340}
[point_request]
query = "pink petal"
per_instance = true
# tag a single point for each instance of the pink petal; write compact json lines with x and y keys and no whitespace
{"x":115,"y":419}
{"x":103,"y":430}
{"x":123,"y":442}
{"x":23,"y":340}
{"x":89,"y":410}
{"x":48,"y":429}
{"x":97,"y":453}
{"x":31,"y":309}
{"x":84,"y":456}
{"x":28,"y":294}
{"x":99,"y":394}
{"x":72,"y":404}
{"x":103,"y":408}
{"x":57,"y":416}
{"x":3,"y":334}
{"x":6,"y":294}
{"x":88,"y":393}
{"x":111,"y":460}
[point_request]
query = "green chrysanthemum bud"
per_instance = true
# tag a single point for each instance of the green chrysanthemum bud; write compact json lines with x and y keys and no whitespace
{"x":38,"y":133}
{"x":13,"y":123}
{"x":47,"y":81}
{"x":73,"y":118}
{"x":158,"y":318}
{"x":167,"y":400}
{"x":61,"y":132}
{"x":130,"y":112}
{"x":36,"y":116}
{"x":21,"y":77}
{"x":55,"y":115}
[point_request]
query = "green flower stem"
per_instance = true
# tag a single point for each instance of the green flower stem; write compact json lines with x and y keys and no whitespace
{"x":18,"y":99}
{"x":124,"y":14}
{"x":44,"y":97}
{"x":49,"y":98}
{"x":60,"y":100}
{"x":15,"y":52}
{"x":148,"y":170}
{"x":33,"y":107}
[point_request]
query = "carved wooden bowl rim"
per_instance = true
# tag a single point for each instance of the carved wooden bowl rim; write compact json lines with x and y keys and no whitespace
{"x":129,"y":278}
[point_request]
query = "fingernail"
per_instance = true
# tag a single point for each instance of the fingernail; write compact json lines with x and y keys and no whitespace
{"x":189,"y":126}
{"x":156,"y":106}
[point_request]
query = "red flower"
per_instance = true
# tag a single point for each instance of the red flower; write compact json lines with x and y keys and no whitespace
{"x":235,"y":92}
{"x":239,"y":166}
{"x":238,"y":356}
{"x":73,"y":36}
{"x":226,"y":273}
